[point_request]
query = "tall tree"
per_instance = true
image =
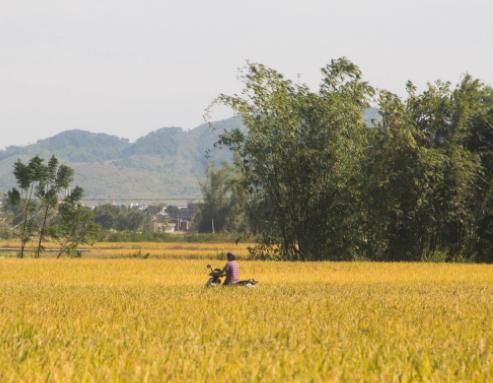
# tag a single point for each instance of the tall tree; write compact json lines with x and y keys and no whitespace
{"x":302,"y":158}
{"x":55,"y":181}
{"x":28,"y":177}
{"x":402,"y":179}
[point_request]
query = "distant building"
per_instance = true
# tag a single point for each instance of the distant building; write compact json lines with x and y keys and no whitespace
{"x":176,"y":219}
{"x":138,"y":205}
{"x":163,"y":212}
{"x":163,"y":227}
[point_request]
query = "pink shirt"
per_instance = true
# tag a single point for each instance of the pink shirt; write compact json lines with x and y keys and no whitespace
{"x":232,"y":273}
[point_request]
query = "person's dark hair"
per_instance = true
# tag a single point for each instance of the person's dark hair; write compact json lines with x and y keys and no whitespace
{"x":231,"y":256}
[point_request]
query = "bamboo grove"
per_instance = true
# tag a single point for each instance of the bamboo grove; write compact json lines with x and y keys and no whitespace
{"x":319,"y":183}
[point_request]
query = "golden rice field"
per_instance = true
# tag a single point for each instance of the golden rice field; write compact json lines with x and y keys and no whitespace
{"x":150,"y":320}
{"x":180,"y":250}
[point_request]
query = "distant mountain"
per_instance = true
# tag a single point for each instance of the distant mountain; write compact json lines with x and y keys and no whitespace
{"x":75,"y":146}
{"x":166,"y":163}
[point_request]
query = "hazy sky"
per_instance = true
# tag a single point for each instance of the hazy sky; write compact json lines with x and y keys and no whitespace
{"x":129,"y":67}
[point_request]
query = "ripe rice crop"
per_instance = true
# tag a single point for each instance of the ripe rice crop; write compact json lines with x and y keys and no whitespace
{"x":182,"y":250}
{"x":83,"y":320}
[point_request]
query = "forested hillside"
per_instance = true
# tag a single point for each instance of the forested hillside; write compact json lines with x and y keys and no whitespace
{"x":167,"y":163}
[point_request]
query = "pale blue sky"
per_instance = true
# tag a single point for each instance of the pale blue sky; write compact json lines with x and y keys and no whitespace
{"x":129,"y":67}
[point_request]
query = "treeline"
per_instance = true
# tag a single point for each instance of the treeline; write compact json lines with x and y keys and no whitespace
{"x":315,"y":182}
{"x":132,"y":224}
{"x":45,"y":208}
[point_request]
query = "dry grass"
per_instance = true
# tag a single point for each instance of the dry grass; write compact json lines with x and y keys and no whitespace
{"x":151,"y":320}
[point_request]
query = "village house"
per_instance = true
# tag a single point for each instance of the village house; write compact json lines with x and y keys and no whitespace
{"x":160,"y":226}
{"x":172,"y":220}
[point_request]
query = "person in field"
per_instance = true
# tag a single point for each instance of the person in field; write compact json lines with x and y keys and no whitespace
{"x":231,"y":270}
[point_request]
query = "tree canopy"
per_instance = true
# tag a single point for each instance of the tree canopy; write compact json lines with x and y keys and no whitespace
{"x":417,"y":185}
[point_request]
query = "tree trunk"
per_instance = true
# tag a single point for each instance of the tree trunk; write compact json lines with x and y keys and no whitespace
{"x":24,"y":224}
{"x":41,"y":231}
